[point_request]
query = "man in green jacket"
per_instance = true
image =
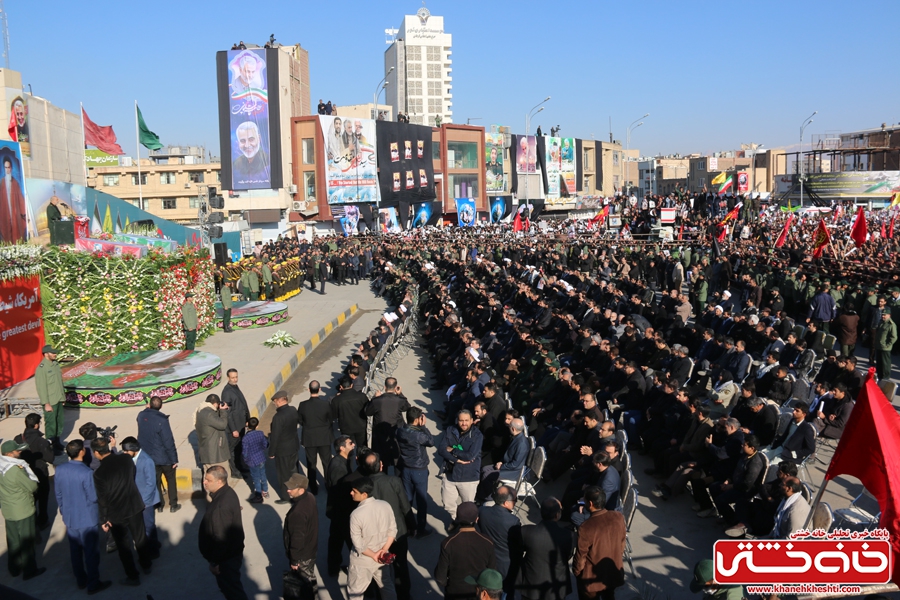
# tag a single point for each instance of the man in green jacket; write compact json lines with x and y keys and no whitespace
{"x":267,"y":279}
{"x":253,"y":282}
{"x":189,"y":320}
{"x":49,"y":382}
{"x":885,"y":338}
{"x":227,"y":303}
{"x":17,"y":487}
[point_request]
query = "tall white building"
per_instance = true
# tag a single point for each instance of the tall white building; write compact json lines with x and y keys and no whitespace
{"x":421,"y":83}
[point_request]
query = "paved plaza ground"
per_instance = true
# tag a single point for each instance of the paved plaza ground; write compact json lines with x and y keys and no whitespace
{"x":667,"y":537}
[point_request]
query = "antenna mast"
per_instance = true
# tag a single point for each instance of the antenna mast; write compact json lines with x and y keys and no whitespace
{"x":5,"y":25}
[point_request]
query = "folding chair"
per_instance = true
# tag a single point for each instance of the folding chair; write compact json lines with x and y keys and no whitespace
{"x":889,"y":388}
{"x":823,"y":517}
{"x":622,"y":436}
{"x":535,"y":468}
{"x":629,"y":508}
{"x":858,"y":515}
{"x":803,"y":467}
{"x":625,"y":486}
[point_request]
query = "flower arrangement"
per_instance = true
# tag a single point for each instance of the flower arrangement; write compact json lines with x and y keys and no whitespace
{"x":19,"y":260}
{"x":97,"y":304}
{"x":281,"y":339}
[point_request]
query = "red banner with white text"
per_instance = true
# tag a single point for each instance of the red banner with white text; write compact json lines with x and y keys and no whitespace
{"x":21,"y":329}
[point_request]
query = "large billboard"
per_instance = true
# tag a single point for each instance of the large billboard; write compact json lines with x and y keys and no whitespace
{"x":18,"y":108}
{"x":249,"y":119}
{"x":526,"y":154}
{"x":406,"y":172}
{"x":351,"y":168}
{"x":99,"y":158}
{"x":554,"y":165}
{"x":848,"y":184}
{"x":567,"y":164}
{"x":15,"y":216}
{"x":493,"y":152}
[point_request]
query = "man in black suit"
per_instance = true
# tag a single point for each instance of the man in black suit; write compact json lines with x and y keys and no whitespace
{"x":283,"y":442}
{"x":337,"y":507}
{"x":349,"y":407}
{"x":547,"y":548}
{"x":799,"y":439}
{"x":388,"y":412}
{"x":238,"y":415}
{"x":121,"y":508}
{"x":314,"y":416}
{"x":504,"y":529}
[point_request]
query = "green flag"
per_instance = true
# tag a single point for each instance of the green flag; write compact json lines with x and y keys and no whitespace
{"x":147,"y":138}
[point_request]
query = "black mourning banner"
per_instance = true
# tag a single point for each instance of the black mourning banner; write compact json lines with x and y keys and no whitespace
{"x":598,"y":166}
{"x":579,"y":168}
{"x":542,"y":161}
{"x":405,"y":167}
{"x":513,"y":175}
{"x":365,"y":211}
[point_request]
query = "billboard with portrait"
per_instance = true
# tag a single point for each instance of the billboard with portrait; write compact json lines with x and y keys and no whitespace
{"x":351,"y":167}
{"x":18,"y":108}
{"x":404,"y":158}
{"x":390,"y":222}
{"x":465,"y":212}
{"x":248,"y":119}
{"x":493,"y":153}
{"x":553,"y":166}
{"x":526,"y":154}
{"x":16,"y":219}
{"x":567,"y":164}
{"x":500,"y":208}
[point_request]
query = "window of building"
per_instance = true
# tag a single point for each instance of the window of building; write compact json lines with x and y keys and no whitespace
{"x":701,"y":165}
{"x":308,"y":149}
{"x":615,"y":159}
{"x":167,"y":178}
{"x":616,"y":181}
{"x":433,"y":53}
{"x":415,"y":105}
{"x":414,"y":88}
{"x":414,"y":53}
{"x":462,"y":155}
{"x":196,"y":176}
{"x":464,"y":186}
{"x":218,"y":177}
{"x":434,"y":71}
{"x":135,"y":202}
{"x":586,"y":183}
{"x":193,"y":202}
{"x":435,"y":105}
{"x":413,"y":71}
{"x":134,"y":179}
{"x":309,"y":185}
{"x":110,"y":180}
{"x":169,"y":203}
{"x":702,"y":182}
{"x":435,"y":151}
{"x":434,"y":88}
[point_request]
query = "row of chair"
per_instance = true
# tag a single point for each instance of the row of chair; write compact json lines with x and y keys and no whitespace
{"x":395,"y":348}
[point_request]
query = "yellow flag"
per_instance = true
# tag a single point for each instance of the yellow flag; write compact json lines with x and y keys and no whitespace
{"x":719,"y":179}
{"x":895,"y":199}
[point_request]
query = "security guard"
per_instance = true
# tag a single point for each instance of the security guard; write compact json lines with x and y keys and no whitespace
{"x":49,"y":382}
{"x":227,"y":303}
{"x":267,"y":280}
{"x":189,"y":321}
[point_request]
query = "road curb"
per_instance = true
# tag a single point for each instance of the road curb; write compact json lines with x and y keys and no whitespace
{"x":192,"y":479}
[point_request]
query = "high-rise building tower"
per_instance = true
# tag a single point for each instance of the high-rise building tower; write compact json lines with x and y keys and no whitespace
{"x":420,"y":84}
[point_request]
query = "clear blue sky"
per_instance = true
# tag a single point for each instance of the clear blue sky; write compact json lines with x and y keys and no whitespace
{"x":711,"y":74}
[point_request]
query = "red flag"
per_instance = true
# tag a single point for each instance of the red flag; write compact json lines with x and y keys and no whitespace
{"x":13,"y":128}
{"x":784,"y":232}
{"x":101,"y":137}
{"x":723,"y":232}
{"x":733,"y":213}
{"x":869,"y":449}
{"x":860,"y":228}
{"x":883,"y":231}
{"x":891,"y":228}
{"x":598,"y":218}
{"x":821,"y":238}
{"x":837,"y":213}
{"x":681,"y":230}
{"x":517,"y":222}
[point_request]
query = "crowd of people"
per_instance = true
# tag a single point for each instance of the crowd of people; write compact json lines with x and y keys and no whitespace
{"x":722,"y":363}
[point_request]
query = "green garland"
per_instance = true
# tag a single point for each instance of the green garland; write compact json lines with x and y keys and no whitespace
{"x":18,"y":261}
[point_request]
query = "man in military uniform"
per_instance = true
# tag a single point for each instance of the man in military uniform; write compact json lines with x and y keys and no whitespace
{"x":17,"y":487}
{"x":253,"y":282}
{"x":49,"y":382}
{"x":245,"y":284}
{"x":227,"y":303}
{"x":267,"y":279}
{"x":189,"y":321}
{"x":885,"y":338}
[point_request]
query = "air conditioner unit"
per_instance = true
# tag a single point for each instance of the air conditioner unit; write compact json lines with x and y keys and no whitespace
{"x":297,"y":205}
{"x":187,"y":186}
{"x":292,"y":189}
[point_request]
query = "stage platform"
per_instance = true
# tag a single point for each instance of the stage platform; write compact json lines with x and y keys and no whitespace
{"x":249,"y":315}
{"x":132,"y":379}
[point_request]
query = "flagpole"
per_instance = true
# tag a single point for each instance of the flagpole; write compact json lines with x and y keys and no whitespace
{"x":137,"y":137}
{"x":83,"y":144}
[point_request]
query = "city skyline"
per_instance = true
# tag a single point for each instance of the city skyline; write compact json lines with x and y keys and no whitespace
{"x":735,"y":79}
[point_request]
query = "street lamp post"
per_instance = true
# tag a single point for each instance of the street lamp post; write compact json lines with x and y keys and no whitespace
{"x":535,"y":110}
{"x":377,"y":91}
{"x":631,"y":128}
{"x":803,"y":127}
{"x":756,"y":148}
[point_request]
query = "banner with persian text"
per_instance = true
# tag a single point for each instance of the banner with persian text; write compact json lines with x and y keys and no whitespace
{"x":21,"y":329}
